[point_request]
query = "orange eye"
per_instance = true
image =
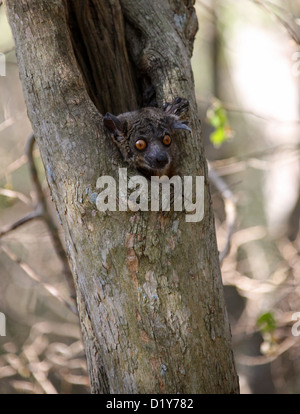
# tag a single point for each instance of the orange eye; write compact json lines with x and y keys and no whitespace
{"x":140,"y":144}
{"x":167,"y":140}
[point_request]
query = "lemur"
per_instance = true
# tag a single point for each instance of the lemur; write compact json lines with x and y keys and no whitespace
{"x":145,"y":137}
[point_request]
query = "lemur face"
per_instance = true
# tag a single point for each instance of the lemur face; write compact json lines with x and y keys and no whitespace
{"x":154,"y":155}
{"x":146,"y":137}
{"x":152,"y":149}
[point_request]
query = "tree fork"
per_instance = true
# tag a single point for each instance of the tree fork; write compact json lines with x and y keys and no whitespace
{"x":149,"y":288}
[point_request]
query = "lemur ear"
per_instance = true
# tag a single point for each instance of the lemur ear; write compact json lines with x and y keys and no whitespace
{"x":177,"y":109}
{"x":118,"y":129}
{"x":113,"y":124}
{"x":176,"y":124}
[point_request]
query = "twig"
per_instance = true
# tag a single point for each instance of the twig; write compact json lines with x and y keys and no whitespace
{"x":233,"y":165}
{"x":46,"y":216}
{"x":283,"y":23}
{"x":15,"y":165}
{"x":41,"y":211}
{"x":230,"y":208}
{"x":34,"y":276}
{"x":39,"y":375}
{"x":233,"y":108}
{"x":31,"y":216}
{"x":266,"y":359}
{"x":13,"y":119}
{"x":42,"y":205}
{"x":15,"y":194}
{"x":282,"y":9}
{"x":7,"y":123}
{"x":6,"y":52}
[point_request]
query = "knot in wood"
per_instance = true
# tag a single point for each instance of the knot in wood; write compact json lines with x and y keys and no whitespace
{"x":152,"y":60}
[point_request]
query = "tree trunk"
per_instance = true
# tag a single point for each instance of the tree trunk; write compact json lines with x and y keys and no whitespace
{"x":149,"y":289}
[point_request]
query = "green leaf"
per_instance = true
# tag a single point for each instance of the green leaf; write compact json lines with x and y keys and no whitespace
{"x":217,"y":117}
{"x":214,"y":120}
{"x":218,"y":136}
{"x":267,"y":322}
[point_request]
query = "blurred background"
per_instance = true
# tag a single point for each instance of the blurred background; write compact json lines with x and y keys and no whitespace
{"x":246,"y":66}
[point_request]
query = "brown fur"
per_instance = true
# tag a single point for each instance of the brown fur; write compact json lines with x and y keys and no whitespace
{"x":150,"y":125}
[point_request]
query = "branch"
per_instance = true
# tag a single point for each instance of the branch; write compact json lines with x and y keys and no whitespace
{"x":34,"y":276}
{"x":230,"y":208}
{"x":15,"y":165}
{"x":42,"y":205}
{"x":41,"y":211}
{"x":31,"y":216}
{"x":46,"y":216}
{"x":266,"y":359}
{"x":283,"y":23}
{"x":282,"y":9}
{"x":15,"y":194}
{"x":233,"y":108}
{"x":13,"y":119}
{"x":7,"y":123}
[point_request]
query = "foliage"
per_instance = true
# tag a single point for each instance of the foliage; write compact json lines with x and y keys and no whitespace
{"x":217,"y":117}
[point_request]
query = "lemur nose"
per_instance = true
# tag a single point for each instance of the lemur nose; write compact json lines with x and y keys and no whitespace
{"x":162,"y":159}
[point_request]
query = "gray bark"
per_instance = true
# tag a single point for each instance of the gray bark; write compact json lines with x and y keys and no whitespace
{"x":149,"y":288}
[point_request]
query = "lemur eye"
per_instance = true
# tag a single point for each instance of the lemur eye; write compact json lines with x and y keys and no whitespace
{"x":140,"y":144}
{"x":167,"y":140}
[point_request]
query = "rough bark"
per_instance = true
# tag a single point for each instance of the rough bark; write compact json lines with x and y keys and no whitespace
{"x":149,"y":288}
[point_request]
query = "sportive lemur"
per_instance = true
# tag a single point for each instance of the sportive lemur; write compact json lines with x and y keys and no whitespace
{"x":146,"y":137}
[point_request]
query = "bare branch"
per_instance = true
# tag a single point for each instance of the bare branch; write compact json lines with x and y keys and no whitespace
{"x":46,"y":216}
{"x":42,"y":205}
{"x":233,"y":108}
{"x":34,"y":276}
{"x":266,"y":359}
{"x":31,"y":216}
{"x":7,"y":123}
{"x":15,"y":165}
{"x":284,"y":23}
{"x":15,"y":194}
{"x":39,"y":375}
{"x":41,"y":211}
{"x":230,"y":208}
